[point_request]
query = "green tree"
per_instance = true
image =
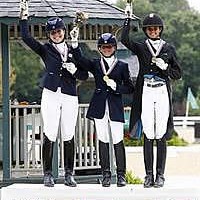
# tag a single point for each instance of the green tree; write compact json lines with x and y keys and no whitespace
{"x":27,"y":67}
{"x":182,"y":29}
{"x":12,"y":78}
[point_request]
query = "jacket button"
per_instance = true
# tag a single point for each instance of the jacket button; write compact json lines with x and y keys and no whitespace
{"x":60,"y":74}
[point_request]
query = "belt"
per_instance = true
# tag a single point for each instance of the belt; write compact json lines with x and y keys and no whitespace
{"x":154,"y":85}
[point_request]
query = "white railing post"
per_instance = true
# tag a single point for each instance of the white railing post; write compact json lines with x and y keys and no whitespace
{"x":27,"y":122}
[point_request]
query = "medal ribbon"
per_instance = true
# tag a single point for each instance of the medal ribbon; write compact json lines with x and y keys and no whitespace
{"x":110,"y":68}
{"x":162,"y":42}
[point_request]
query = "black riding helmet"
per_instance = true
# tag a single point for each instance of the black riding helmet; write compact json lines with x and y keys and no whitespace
{"x":107,"y":38}
{"x":152,"y":20}
{"x":54,"y":23}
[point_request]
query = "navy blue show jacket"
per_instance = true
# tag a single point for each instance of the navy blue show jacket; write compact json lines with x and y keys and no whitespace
{"x":54,"y":74}
{"x":102,"y":93}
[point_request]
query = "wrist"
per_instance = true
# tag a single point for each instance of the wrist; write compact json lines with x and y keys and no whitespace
{"x":74,"y":44}
{"x":24,"y":17}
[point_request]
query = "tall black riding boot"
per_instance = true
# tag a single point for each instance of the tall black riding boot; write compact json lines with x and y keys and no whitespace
{"x":47,"y":155}
{"x":69,"y":163}
{"x":161,"y":160}
{"x":148,"y":162}
{"x":105,"y":163}
{"x":121,"y":163}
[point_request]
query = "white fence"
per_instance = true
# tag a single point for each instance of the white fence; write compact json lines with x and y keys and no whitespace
{"x":186,"y":121}
{"x":27,"y":135}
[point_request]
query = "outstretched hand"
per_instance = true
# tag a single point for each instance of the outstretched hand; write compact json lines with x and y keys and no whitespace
{"x":74,"y":33}
{"x":23,"y":9}
{"x":128,"y":10}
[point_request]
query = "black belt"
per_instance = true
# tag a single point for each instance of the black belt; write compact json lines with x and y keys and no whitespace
{"x":154,"y":85}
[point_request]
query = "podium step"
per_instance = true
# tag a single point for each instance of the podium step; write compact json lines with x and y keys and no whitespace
{"x":177,"y":190}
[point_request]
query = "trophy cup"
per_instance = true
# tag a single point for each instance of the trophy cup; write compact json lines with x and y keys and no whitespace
{"x":80,"y":19}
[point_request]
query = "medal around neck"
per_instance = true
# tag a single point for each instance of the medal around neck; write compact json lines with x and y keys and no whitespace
{"x":154,"y":54}
{"x":64,"y":65}
{"x":153,"y":60}
{"x":106,"y":78}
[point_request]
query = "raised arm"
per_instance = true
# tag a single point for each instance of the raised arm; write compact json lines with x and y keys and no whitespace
{"x":23,"y":10}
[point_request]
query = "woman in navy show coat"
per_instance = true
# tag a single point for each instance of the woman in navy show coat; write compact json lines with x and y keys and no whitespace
{"x":112,"y":79}
{"x":59,"y":104}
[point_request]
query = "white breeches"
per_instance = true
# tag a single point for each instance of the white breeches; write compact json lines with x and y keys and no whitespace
{"x":105,"y":125}
{"x":155,"y":111}
{"x":59,"y":109}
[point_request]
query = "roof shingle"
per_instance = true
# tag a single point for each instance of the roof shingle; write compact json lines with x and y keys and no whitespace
{"x":98,"y":10}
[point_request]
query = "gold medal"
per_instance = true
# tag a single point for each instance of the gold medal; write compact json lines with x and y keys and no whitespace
{"x":153,"y":60}
{"x":105,"y":78}
{"x":64,"y":65}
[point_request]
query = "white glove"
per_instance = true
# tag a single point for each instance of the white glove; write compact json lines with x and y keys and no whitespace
{"x":111,"y":83}
{"x":24,"y":9}
{"x":74,"y":33}
{"x":161,"y":63}
{"x":128,"y":10}
{"x":70,"y":67}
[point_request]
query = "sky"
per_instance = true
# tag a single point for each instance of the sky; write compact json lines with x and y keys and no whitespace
{"x":193,"y":3}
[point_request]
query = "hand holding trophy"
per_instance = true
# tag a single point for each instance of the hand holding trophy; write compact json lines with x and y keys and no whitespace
{"x":79,"y":20}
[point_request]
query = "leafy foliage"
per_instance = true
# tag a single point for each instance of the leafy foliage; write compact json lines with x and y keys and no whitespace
{"x":27,"y":67}
{"x":181,"y":29}
{"x":177,"y":141}
{"x":174,"y":141}
{"x":132,"y":179}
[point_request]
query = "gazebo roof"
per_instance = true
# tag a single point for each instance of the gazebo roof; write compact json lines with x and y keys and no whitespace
{"x":99,"y":11}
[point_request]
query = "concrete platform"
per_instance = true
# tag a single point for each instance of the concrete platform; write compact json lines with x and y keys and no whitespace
{"x":176,"y":188}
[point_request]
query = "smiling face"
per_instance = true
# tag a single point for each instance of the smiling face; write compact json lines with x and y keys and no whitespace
{"x":57,"y":35}
{"x":153,"y":32}
{"x":107,"y":50}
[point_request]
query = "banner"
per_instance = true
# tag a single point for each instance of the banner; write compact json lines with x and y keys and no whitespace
{"x":191,"y":99}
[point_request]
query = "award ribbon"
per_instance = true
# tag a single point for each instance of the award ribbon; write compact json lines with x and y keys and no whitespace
{"x":155,"y":54}
{"x":106,"y":73}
